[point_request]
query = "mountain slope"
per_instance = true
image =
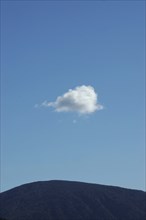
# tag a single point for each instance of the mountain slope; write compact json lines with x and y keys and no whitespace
{"x":66,"y":200}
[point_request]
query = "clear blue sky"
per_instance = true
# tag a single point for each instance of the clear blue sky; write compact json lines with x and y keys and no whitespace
{"x":50,"y":47}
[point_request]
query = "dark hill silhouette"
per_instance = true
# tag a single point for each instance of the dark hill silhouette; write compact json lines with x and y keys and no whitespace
{"x":67,"y":200}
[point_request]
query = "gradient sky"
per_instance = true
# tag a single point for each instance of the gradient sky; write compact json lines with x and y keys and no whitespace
{"x":49,"y":47}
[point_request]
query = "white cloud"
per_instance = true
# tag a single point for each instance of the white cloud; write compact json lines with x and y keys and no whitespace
{"x":82,"y":99}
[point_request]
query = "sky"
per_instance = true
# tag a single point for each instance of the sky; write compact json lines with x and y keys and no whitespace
{"x":72,"y":92}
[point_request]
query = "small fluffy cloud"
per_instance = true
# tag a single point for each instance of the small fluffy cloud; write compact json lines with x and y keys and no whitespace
{"x":82,"y":99}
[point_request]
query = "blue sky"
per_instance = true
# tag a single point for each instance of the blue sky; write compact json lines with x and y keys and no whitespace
{"x":50,"y":47}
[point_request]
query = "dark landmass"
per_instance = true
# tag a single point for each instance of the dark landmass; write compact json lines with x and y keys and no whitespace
{"x":67,"y":200}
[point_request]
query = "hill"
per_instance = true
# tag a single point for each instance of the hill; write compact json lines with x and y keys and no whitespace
{"x":67,"y":200}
